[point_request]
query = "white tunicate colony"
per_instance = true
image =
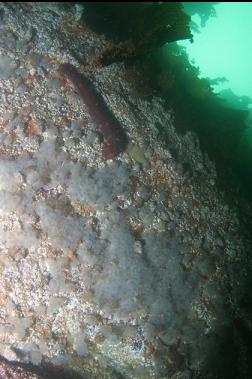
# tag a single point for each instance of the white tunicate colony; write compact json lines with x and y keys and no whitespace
{"x":128,"y":279}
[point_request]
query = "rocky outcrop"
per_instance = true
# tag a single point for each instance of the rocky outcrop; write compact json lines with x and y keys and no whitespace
{"x":111,"y":268}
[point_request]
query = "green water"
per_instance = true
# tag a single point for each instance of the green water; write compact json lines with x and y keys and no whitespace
{"x":223,"y":48}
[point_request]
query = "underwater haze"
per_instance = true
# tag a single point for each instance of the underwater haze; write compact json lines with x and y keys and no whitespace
{"x":223,"y":47}
{"x":222,"y":52}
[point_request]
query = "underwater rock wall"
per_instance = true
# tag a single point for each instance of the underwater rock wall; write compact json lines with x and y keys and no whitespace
{"x":120,"y":267}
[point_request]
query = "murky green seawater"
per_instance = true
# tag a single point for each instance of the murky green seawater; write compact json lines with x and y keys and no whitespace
{"x":222,"y":50}
{"x":223,"y":47}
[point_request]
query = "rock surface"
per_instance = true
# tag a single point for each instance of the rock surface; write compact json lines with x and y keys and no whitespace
{"x":113,"y":268}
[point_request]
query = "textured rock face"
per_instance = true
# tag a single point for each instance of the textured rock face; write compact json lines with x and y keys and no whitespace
{"x":120,"y":266}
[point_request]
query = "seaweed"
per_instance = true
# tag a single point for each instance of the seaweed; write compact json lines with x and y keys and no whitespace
{"x":115,"y":138}
{"x":220,"y":125}
{"x":136,"y":29}
{"x":204,"y":10}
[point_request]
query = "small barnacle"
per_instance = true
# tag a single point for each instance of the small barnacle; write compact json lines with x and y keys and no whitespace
{"x":3,"y":123}
{"x":100,"y":338}
{"x":32,"y":128}
{"x":150,"y":350}
{"x":72,"y":255}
